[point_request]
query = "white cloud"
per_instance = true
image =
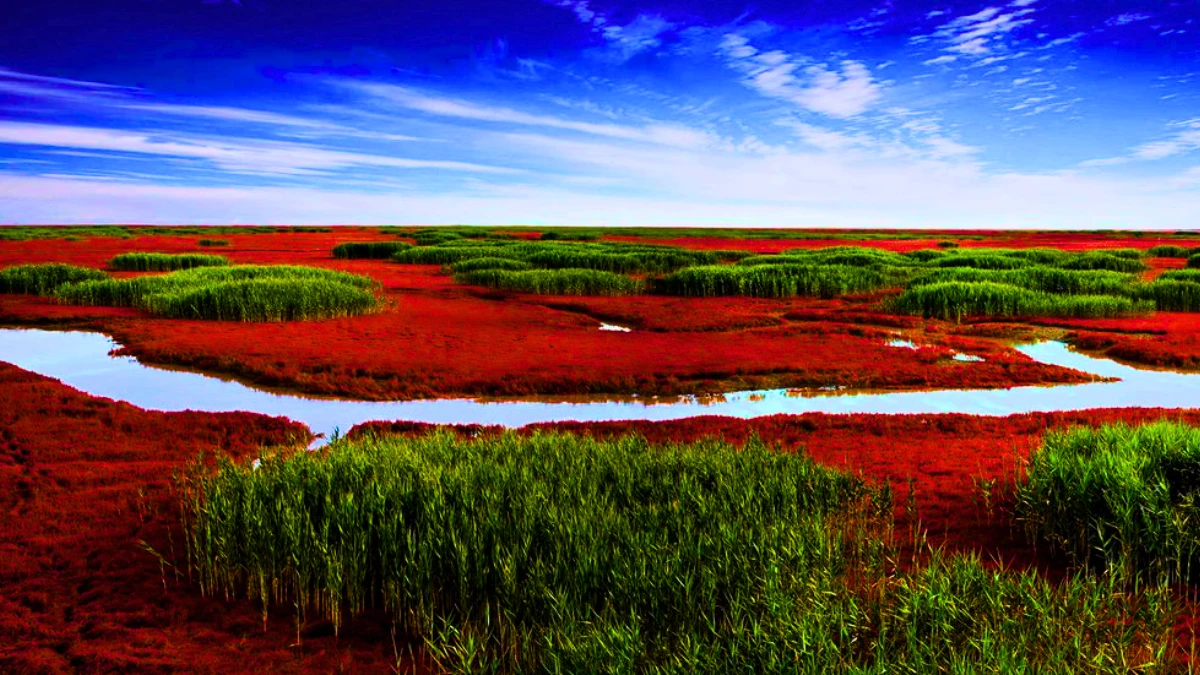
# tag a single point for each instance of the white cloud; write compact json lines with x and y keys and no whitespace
{"x":641,"y":34}
{"x":1127,"y":18}
{"x":229,"y":154}
{"x":1183,"y":141}
{"x":665,"y":134}
{"x":790,"y":189}
{"x":816,"y":87}
{"x":981,"y":33}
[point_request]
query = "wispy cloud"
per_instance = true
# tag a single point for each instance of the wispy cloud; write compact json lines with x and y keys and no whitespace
{"x":413,"y":99}
{"x":225,"y":153}
{"x":981,"y":34}
{"x":623,"y":42}
{"x":816,"y":87}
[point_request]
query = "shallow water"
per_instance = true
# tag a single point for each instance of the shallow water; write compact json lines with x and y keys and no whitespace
{"x":81,"y":360}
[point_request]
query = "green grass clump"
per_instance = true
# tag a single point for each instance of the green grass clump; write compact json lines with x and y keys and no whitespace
{"x":263,"y":300}
{"x":553,"y":282}
{"x":957,"y":299}
{"x":772,"y":281}
{"x":164,"y":262}
{"x":1180,"y":275}
{"x":925,"y":255}
{"x":45,"y":278}
{"x":1118,"y":497}
{"x":237,"y":293}
{"x":477,"y":264}
{"x":1172,"y":295}
{"x":213,"y":242}
{"x":369,"y":249}
{"x":548,"y":553}
{"x":1047,"y":279}
{"x":1172,"y":251}
{"x":986,"y":261}
{"x":1193,"y":261}
{"x":1104,"y":260}
{"x":445,"y":255}
{"x":565,"y":235}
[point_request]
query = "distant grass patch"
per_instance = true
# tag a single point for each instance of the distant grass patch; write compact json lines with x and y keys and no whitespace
{"x":369,"y":249}
{"x":957,"y":299}
{"x":554,"y":282}
{"x":561,"y":553}
{"x":1038,"y":278}
{"x":477,"y":264}
{"x":1118,"y":497}
{"x":213,"y":242}
{"x":164,"y":262}
{"x":771,"y":281}
{"x":239,"y":293}
{"x":45,"y":278}
{"x":1172,"y":251}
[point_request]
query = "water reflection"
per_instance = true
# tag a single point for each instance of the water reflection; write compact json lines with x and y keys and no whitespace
{"x":81,"y":360}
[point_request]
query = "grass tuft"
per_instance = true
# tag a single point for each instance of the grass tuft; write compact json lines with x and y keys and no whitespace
{"x":237,"y":293}
{"x":44,"y":279}
{"x":164,"y":262}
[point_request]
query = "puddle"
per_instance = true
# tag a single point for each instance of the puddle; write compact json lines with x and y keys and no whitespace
{"x":969,"y":358}
{"x":904,"y":344}
{"x":81,"y":360}
{"x":615,"y":328}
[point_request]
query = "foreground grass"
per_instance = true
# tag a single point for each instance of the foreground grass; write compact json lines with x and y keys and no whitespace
{"x":44,"y":279}
{"x":1119,"y":498}
{"x":238,"y":293}
{"x":565,"y":554}
{"x":164,"y":262}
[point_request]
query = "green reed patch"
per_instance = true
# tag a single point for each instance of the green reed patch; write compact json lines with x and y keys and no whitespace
{"x":958,"y":299}
{"x":1172,"y":294}
{"x":772,"y":281}
{"x":1172,"y":251}
{"x":44,"y":278}
{"x":1038,"y":278}
{"x":237,"y":293}
{"x":559,"y":553}
{"x":553,"y":282}
{"x":476,"y":264}
{"x":1119,"y":497}
{"x":1103,"y":260}
{"x":164,"y":262}
{"x":369,"y":249}
{"x":212,"y":242}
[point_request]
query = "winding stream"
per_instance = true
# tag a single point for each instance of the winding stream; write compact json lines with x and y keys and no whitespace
{"x":81,"y":360}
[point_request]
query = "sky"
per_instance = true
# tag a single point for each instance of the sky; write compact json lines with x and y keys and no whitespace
{"x":1080,"y":114}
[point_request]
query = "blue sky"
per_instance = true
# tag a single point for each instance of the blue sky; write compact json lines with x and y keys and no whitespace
{"x":1024,"y":113}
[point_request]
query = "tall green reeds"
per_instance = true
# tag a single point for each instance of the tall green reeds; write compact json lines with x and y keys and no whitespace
{"x":553,"y":282}
{"x":566,"y":554}
{"x":772,"y":281}
{"x":1038,"y":278}
{"x":1172,"y":251}
{"x":1172,"y":294}
{"x":1120,"y":498}
{"x":164,"y":262}
{"x":44,"y":278}
{"x":958,"y":299}
{"x":237,"y":293}
{"x":369,"y":249}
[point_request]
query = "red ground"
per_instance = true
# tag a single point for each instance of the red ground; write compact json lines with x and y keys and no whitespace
{"x":84,"y":480}
{"x":439,"y":338}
